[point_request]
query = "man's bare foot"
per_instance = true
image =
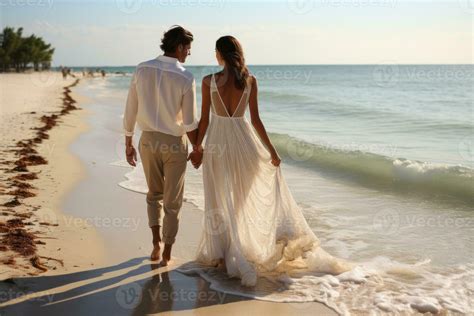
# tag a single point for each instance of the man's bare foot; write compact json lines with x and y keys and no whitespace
{"x":155,"y":254}
{"x":166,"y":255}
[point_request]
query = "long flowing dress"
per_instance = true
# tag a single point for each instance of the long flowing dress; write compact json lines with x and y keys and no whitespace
{"x":251,"y":219}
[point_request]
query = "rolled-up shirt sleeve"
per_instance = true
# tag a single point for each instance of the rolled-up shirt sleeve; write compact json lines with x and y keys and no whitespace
{"x":131,"y":107}
{"x":189,"y":109}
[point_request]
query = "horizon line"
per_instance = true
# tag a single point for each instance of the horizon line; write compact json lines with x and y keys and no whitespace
{"x":349,"y":64}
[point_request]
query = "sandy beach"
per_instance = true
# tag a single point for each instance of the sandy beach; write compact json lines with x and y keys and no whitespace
{"x":74,"y":258}
{"x":29,"y":101}
{"x":75,"y":234}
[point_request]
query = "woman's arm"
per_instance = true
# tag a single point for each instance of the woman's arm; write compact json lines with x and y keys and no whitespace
{"x":258,"y":124}
{"x":205,"y":109}
{"x":203,"y":122}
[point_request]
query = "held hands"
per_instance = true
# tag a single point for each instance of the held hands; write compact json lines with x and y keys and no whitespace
{"x":196,"y":156}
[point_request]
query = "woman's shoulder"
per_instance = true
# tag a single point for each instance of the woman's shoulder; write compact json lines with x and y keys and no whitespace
{"x":207,"y":78}
{"x":252,"y":79}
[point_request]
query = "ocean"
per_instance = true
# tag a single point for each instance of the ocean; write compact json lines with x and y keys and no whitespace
{"x":379,"y":157}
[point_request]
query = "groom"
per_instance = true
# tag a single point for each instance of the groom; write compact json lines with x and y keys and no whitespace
{"x":162,"y":100}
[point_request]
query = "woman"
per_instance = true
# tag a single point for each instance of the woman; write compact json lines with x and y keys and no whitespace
{"x":253,"y":226}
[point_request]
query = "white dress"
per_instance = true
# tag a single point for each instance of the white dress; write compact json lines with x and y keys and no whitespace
{"x":251,"y":218}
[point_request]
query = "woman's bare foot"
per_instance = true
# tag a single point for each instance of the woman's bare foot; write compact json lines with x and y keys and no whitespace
{"x":155,"y":254}
{"x":221,"y":264}
{"x":166,"y":255}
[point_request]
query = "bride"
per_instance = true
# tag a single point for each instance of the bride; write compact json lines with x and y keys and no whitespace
{"x":253,"y":226}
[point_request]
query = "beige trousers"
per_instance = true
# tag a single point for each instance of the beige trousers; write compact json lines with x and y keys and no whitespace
{"x":164,"y":159}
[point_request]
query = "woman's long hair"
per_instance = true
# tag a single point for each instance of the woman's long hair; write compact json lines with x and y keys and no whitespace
{"x":233,"y":55}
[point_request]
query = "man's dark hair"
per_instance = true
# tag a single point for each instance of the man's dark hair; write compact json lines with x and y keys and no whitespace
{"x":175,"y":36}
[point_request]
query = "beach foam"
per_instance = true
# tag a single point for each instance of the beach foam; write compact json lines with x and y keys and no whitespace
{"x":370,"y":286}
{"x":380,"y":284}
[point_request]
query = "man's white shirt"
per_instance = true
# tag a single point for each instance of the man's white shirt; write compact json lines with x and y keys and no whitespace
{"x":161,"y":97}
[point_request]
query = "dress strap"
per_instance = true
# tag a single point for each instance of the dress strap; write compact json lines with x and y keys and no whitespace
{"x":213,"y":83}
{"x":212,"y":91}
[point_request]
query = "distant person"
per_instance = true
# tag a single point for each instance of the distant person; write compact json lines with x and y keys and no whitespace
{"x":64,"y":72}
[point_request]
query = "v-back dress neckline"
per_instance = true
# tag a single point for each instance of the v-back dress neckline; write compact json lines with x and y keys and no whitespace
{"x":222,"y":101}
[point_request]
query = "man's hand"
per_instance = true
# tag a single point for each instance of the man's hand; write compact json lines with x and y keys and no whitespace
{"x":196,"y":158}
{"x":131,"y":155}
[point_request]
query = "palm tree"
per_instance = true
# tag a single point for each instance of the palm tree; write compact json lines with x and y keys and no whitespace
{"x":19,"y":52}
{"x":10,"y":42}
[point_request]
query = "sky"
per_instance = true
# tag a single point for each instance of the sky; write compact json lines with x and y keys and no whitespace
{"x":126,"y":32}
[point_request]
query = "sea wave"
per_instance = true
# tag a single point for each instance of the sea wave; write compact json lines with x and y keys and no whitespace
{"x":375,"y":170}
{"x":285,"y":98}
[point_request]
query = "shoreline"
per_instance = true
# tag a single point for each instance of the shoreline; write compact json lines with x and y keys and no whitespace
{"x":93,"y":264}
{"x":97,"y":149}
{"x":37,"y":237}
{"x":88,"y":183}
{"x":352,"y":221}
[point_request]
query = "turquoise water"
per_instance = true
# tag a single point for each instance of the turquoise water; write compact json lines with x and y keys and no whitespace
{"x":400,"y":127}
{"x":380,"y":159}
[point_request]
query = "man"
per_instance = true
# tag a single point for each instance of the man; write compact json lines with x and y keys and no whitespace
{"x":162,"y":100}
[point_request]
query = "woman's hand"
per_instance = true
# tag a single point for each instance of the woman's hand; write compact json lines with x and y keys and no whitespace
{"x":276,"y":160}
{"x":196,"y":156}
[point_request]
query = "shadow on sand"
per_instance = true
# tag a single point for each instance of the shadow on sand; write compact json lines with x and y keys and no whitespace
{"x":135,"y":287}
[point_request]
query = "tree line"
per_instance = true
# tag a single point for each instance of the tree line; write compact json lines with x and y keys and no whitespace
{"x":19,"y":53}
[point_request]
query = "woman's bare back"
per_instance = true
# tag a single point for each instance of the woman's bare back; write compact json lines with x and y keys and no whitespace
{"x":229,"y":93}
